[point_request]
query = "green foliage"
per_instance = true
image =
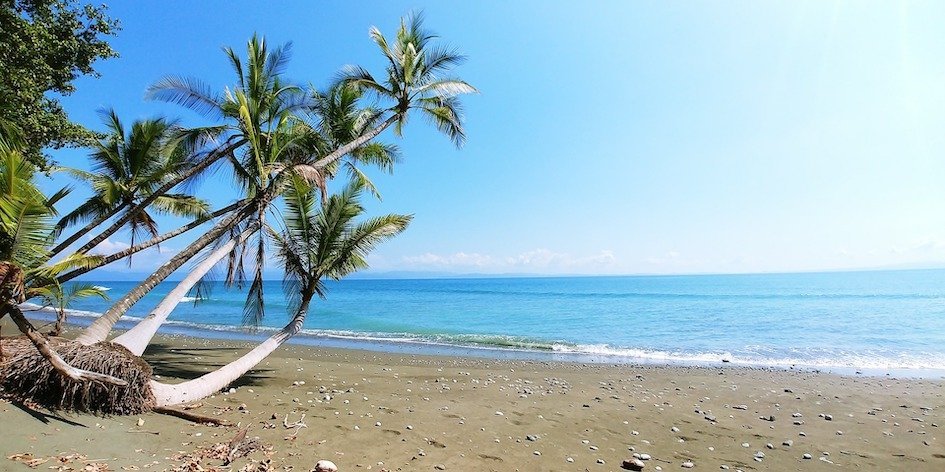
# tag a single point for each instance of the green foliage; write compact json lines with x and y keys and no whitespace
{"x":415,"y":78}
{"x":127,"y":167}
{"x":326,"y":241}
{"x":44,"y":46}
{"x":27,"y":230}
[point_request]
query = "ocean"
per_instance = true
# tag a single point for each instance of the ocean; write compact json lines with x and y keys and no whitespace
{"x":877,"y":322}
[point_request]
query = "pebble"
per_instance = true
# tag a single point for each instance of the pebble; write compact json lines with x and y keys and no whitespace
{"x":769,"y":446}
{"x":633,"y":464}
{"x":828,"y":417}
{"x":325,"y":466}
{"x":687,"y":465}
{"x":674,"y":429}
{"x":759,"y":455}
{"x":531,"y":437}
{"x":807,"y":456}
{"x":570,"y":459}
{"x":746,"y":445}
{"x":600,"y":461}
{"x":439,"y":467}
{"x":788,"y":443}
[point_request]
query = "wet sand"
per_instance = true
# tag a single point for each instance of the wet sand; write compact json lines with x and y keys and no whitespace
{"x":381,"y":412}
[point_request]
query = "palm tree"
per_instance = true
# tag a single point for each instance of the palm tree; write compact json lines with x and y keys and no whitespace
{"x":260,"y":101}
{"x":26,"y":231}
{"x":414,"y":81}
{"x":127,"y":167}
{"x":257,"y":115}
{"x":314,"y":243}
{"x":60,"y":297}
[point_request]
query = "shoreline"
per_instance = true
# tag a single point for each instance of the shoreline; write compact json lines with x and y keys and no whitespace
{"x":412,"y":346}
{"x":384,"y":412}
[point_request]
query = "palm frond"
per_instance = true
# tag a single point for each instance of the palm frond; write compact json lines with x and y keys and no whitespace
{"x":187,"y":92}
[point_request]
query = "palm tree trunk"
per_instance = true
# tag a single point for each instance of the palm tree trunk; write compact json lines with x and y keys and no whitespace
{"x":152,"y":242}
{"x":132,"y":212}
{"x":82,"y":232}
{"x":208,"y":384}
{"x":61,"y":366}
{"x":100,"y":328}
{"x":137,"y":338}
{"x":356,"y":143}
{"x":60,"y":320}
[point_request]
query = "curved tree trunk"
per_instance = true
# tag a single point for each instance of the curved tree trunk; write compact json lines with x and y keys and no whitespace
{"x":100,"y":328}
{"x":132,"y":212}
{"x":208,"y":384}
{"x":149,"y":243}
{"x":356,"y":143}
{"x":58,"y":363}
{"x":82,"y":232}
{"x":137,"y":338}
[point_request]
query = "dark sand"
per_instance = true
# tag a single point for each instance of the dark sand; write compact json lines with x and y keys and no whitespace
{"x":369,"y":411}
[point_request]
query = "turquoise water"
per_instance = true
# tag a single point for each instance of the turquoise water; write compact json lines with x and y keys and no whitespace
{"x":884,"y":320}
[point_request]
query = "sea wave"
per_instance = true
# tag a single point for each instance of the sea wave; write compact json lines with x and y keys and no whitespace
{"x":750,"y":356}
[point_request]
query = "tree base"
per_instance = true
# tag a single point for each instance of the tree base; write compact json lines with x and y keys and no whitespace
{"x":26,"y":376}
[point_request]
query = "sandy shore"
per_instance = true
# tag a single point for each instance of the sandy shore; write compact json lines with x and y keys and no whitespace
{"x":369,"y":411}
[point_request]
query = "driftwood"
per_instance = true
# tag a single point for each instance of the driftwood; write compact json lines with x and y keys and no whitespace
{"x":190,"y":416}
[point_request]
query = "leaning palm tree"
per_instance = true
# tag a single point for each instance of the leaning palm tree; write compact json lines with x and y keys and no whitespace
{"x":260,"y":106}
{"x":414,"y":82}
{"x":315,"y":242}
{"x":127,"y":167}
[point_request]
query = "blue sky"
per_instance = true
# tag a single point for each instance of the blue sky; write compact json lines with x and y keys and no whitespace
{"x":614,"y":138}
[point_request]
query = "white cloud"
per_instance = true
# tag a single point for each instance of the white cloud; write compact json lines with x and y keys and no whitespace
{"x":537,"y":260}
{"x":108,"y":246}
{"x":459,"y":259}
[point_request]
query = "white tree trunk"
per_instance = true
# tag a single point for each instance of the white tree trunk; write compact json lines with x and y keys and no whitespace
{"x":208,"y":384}
{"x":137,"y":338}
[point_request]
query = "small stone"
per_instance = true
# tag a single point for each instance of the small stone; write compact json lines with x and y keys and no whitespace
{"x":710,"y":418}
{"x":746,"y":445}
{"x":839,"y":433}
{"x":231,"y":390}
{"x":807,"y":456}
{"x":570,"y":459}
{"x":674,"y":429}
{"x":439,"y":467}
{"x":633,"y":464}
{"x":325,"y":466}
{"x":788,"y":443}
{"x":409,"y":427}
{"x":687,"y":465}
{"x":769,"y":446}
{"x":531,"y":437}
{"x":759,"y":455}
{"x":600,"y":461}
{"x":140,"y":422}
{"x":828,"y":417}
{"x":645,"y":457}
{"x":740,"y":407}
{"x":537,"y":453}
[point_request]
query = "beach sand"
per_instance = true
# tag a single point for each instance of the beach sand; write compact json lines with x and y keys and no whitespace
{"x":381,"y":412}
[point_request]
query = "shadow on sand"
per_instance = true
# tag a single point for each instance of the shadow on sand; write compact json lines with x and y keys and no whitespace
{"x":191,"y":362}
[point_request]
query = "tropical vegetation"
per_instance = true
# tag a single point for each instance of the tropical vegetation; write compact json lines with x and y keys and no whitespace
{"x":297,"y":156}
